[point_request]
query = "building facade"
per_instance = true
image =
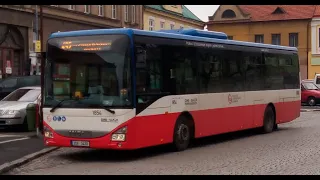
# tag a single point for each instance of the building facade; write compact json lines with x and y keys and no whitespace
{"x":164,"y":17}
{"x":314,"y":54}
{"x":18,"y":31}
{"x":287,"y":25}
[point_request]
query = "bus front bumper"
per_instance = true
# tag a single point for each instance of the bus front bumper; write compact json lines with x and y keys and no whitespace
{"x":51,"y":138}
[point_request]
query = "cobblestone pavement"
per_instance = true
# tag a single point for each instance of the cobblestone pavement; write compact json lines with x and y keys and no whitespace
{"x":293,"y":149}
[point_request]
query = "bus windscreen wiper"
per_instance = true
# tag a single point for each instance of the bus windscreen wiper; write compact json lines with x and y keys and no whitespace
{"x":107,"y":109}
{"x":59,"y":104}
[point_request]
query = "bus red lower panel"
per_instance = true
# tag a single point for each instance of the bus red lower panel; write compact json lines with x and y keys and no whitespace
{"x":144,"y":131}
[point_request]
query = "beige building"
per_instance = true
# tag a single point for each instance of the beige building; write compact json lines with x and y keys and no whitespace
{"x":18,"y":28}
{"x":161,"y":17}
{"x":286,"y":25}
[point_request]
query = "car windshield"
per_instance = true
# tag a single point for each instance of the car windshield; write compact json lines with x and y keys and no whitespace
{"x":310,"y":86}
{"x":95,"y":70}
{"x":23,"y":95}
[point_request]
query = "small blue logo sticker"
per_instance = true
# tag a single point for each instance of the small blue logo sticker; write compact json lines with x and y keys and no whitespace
{"x":59,"y":118}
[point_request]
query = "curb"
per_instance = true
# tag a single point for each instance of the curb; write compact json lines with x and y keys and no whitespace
{"x":309,"y":110}
{"x":19,"y":162}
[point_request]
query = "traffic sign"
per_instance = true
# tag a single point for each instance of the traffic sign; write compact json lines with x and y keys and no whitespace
{"x":38,"y":46}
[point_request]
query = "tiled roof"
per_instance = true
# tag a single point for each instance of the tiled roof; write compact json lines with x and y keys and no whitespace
{"x":186,"y":13}
{"x":265,"y":13}
{"x":317,"y":11}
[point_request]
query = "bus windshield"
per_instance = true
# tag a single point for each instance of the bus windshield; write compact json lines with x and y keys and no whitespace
{"x":94,"y":71}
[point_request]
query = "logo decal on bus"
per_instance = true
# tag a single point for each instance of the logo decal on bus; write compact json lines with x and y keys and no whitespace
{"x":113,"y":120}
{"x":59,"y":118}
{"x":233,"y":98}
{"x":49,"y":118}
{"x":229,"y":98}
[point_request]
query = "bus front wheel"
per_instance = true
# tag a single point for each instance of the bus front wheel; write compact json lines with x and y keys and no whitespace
{"x":182,"y":134}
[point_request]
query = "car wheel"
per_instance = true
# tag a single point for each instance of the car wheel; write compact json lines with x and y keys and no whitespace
{"x":311,"y":101}
{"x":24,"y":125}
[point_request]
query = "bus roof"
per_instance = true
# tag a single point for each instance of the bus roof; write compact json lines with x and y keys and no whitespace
{"x":164,"y":34}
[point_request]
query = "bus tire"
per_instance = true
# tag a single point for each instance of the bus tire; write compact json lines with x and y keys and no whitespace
{"x":182,"y":134}
{"x":268,"y":120}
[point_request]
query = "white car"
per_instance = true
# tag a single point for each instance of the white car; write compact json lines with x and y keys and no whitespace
{"x":13,"y":107}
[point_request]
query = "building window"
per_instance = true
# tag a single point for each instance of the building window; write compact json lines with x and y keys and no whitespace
{"x":162,"y":24}
{"x":87,"y":9}
{"x":279,"y":10}
{"x":126,"y":13}
{"x":151,"y":24}
{"x":114,"y":12}
{"x":293,"y":39}
{"x":276,"y":39}
{"x":258,"y":38}
{"x":100,"y":9}
{"x":230,"y":37}
{"x":133,"y":13}
{"x":228,"y":14}
{"x":71,"y":7}
{"x":171,"y":26}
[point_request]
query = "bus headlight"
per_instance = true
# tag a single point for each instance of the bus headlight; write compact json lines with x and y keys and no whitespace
{"x":119,"y":135}
{"x":47,"y":133}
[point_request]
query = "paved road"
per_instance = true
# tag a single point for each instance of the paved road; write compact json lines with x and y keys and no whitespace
{"x":14,"y":145}
{"x":293,"y":149}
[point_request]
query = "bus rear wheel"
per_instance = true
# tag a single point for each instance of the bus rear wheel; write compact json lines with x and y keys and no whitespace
{"x":268,"y":120}
{"x":182,"y":134}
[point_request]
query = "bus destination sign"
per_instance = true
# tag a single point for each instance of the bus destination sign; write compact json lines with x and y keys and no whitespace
{"x":85,"y":46}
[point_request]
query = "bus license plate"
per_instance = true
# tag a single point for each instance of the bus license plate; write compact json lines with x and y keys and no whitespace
{"x":80,"y":143}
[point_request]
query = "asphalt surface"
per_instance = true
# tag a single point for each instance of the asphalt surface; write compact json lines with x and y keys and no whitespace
{"x":293,"y":149}
{"x":15,"y":145}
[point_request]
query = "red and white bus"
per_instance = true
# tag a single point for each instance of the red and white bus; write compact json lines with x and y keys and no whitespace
{"x":129,"y":89}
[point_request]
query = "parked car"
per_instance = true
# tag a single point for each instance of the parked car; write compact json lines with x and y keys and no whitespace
{"x":10,"y":84}
{"x":13,"y":107}
{"x":310,"y":93}
{"x":309,"y":80}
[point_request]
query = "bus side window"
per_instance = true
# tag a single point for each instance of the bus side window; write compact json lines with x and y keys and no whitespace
{"x":148,"y":68}
{"x":148,"y":75}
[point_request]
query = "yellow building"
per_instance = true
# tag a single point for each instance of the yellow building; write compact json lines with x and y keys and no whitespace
{"x":161,"y":17}
{"x":287,"y":25}
{"x":314,"y":55}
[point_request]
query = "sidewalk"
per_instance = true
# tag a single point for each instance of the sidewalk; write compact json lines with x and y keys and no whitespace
{"x":310,"y":108}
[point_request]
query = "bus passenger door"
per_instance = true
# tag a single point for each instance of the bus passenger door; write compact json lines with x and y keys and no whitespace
{"x":254,"y":84}
{"x":149,"y":81}
{"x":182,"y":77}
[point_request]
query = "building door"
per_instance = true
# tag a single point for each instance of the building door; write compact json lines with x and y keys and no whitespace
{"x":6,"y":62}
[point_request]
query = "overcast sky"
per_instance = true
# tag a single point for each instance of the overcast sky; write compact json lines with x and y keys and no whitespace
{"x":203,"y":11}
